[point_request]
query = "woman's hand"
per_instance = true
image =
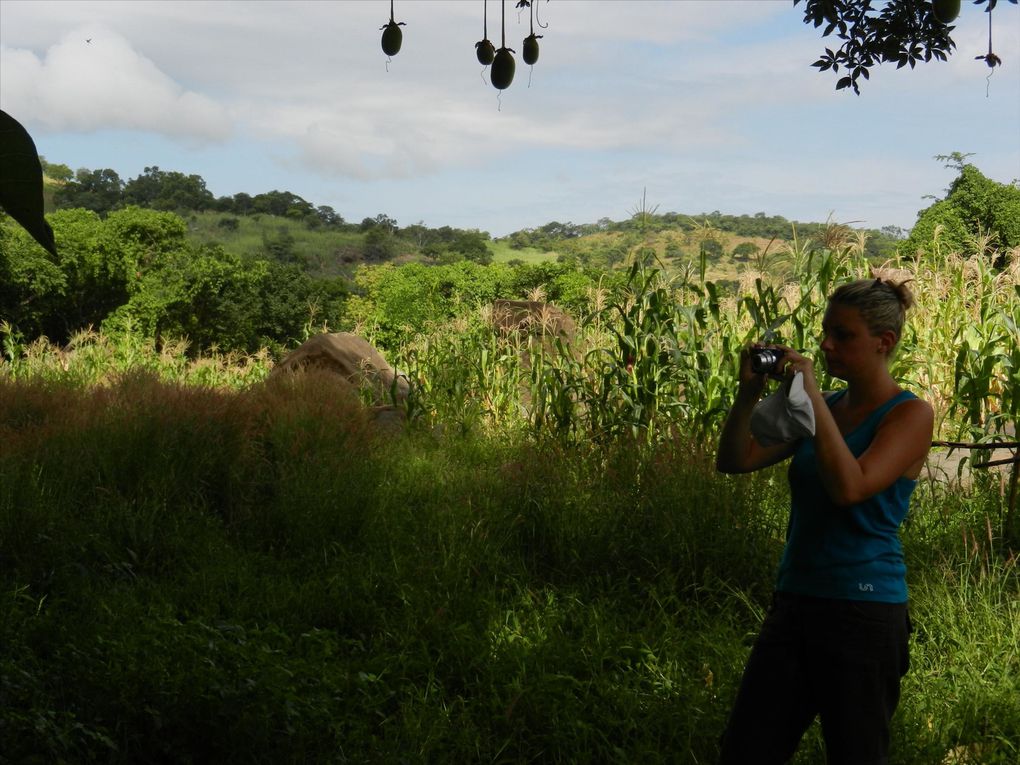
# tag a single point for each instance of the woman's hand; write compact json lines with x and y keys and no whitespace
{"x":751,"y":383}
{"x":738,"y":450}
{"x":792,"y":362}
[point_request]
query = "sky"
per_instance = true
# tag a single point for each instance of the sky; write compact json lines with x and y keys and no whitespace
{"x":699,"y":105}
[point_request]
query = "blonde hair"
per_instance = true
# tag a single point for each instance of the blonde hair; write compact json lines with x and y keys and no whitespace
{"x":883,"y":304}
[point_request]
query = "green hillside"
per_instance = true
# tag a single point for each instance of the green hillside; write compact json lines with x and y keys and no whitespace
{"x":283,"y":227}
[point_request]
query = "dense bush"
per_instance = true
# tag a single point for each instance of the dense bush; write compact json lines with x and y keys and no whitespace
{"x":135,"y":269}
{"x":974,"y":207}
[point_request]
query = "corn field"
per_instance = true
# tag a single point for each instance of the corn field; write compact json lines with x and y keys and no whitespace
{"x":657,"y":359}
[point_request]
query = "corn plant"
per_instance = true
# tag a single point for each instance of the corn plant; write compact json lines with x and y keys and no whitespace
{"x":468,"y":374}
{"x":12,"y":342}
{"x":556,"y":385}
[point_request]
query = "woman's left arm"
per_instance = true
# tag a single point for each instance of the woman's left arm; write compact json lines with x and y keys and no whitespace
{"x":899,"y":447}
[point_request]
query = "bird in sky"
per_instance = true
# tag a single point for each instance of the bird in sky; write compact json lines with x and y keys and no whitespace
{"x":88,"y":40}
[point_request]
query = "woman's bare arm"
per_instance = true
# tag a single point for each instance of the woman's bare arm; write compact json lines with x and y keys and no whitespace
{"x":739,"y":452}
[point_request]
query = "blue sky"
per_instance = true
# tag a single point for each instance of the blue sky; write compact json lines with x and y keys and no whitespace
{"x":709,"y":105}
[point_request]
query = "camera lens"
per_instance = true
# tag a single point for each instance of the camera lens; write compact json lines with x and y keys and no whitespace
{"x":764,"y":360}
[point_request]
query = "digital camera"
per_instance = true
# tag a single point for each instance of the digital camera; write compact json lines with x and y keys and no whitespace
{"x":764,"y":360}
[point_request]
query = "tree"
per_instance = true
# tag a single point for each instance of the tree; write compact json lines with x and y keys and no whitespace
{"x":31,"y":280}
{"x":281,"y":203}
{"x":975,"y":207}
{"x":473,"y":245}
{"x":745,"y":251}
{"x":56,"y":171}
{"x":281,"y":248}
{"x":243,"y":204}
{"x":99,"y":265}
{"x":212,"y":297}
{"x":905,"y":31}
{"x":98,"y":190}
{"x":711,"y":248}
{"x":379,"y":244}
{"x":384,"y":220}
{"x":163,"y":190}
{"x":328,"y":216}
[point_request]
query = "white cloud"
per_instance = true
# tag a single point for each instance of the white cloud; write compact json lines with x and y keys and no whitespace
{"x":710,"y":104}
{"x":79,"y":85}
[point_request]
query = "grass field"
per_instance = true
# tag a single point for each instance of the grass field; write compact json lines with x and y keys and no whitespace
{"x":193,"y":574}
{"x":502,"y":252}
{"x":321,"y":250}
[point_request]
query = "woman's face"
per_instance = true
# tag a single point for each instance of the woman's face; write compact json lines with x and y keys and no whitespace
{"x":848,"y":345}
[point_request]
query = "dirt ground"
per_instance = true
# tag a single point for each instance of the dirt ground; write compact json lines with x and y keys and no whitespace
{"x":948,"y":464}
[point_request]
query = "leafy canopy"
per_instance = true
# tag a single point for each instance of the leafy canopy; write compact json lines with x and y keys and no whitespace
{"x":978,"y":216}
{"x":903,"y":31}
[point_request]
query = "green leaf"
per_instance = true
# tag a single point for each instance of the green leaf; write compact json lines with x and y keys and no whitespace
{"x":21,"y":184}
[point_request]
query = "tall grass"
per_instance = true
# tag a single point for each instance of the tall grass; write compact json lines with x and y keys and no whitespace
{"x":193,"y":573}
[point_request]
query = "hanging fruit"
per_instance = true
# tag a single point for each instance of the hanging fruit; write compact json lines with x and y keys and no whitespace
{"x":392,"y":37}
{"x":486,"y":52}
{"x":503,"y":65}
{"x":484,"y":48}
{"x":529,"y":51}
{"x":945,"y":11}
{"x":990,"y":58}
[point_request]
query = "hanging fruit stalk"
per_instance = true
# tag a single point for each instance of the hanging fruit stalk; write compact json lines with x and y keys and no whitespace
{"x":990,"y":58}
{"x":392,"y":37}
{"x":484,"y":48}
{"x":503,"y":65}
{"x":529,"y":50}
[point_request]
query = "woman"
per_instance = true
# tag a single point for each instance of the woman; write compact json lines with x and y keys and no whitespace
{"x":834,"y":643}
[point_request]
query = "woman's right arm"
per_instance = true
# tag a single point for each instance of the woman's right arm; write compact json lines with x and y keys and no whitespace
{"x":739,"y":452}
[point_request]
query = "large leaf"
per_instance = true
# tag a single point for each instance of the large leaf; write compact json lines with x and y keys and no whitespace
{"x":21,"y":181}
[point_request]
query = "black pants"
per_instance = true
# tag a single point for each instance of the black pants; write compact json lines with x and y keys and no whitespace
{"x":840,"y":660}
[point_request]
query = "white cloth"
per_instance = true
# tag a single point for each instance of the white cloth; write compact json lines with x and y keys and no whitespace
{"x":784,"y":416}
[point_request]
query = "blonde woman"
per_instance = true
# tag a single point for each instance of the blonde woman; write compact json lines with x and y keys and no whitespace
{"x":834,"y":644}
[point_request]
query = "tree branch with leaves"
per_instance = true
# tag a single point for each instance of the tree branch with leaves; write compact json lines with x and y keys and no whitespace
{"x":907,"y":32}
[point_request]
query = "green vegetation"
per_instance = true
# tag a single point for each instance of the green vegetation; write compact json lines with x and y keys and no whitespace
{"x":320,"y":251}
{"x":299,"y":261}
{"x":193,"y":573}
{"x":503,"y":252}
{"x":135,"y":270}
{"x":901,"y":31}
{"x":198,"y":563}
{"x":977,"y":217}
{"x":229,"y":567}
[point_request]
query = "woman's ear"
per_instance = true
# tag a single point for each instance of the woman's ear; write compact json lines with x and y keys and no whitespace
{"x":887,"y":341}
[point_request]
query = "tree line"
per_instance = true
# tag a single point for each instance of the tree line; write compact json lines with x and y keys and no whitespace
{"x":135,"y":271}
{"x":103,"y":191}
{"x":136,"y":268}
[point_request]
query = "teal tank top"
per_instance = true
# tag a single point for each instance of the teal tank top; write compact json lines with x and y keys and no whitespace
{"x":853,"y":552}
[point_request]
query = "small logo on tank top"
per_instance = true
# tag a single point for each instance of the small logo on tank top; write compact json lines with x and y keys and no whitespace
{"x":865,"y":587}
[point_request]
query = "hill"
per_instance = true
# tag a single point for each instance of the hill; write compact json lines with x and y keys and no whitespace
{"x":284,"y":227}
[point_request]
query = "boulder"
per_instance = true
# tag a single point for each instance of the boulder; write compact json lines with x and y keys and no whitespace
{"x":351,"y":357}
{"x":532,"y":317}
